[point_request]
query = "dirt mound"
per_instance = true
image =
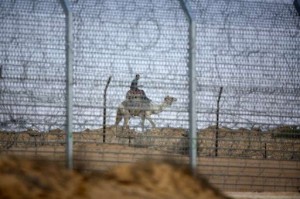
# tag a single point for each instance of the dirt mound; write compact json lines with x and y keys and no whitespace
{"x":42,"y":179}
{"x":36,"y":179}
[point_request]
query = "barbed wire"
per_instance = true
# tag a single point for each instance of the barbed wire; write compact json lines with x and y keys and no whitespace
{"x":250,"y":49}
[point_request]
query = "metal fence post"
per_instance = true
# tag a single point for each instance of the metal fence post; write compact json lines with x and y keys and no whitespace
{"x":69,"y":85}
{"x":192,"y":86}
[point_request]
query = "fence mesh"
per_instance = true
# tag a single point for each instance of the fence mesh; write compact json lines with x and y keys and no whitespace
{"x":247,"y":86}
{"x":122,"y":39}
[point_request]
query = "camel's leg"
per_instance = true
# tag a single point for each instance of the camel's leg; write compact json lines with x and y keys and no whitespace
{"x":143,"y":123}
{"x":119,"y":117}
{"x":151,"y":121}
{"x":126,"y":120}
{"x":142,"y":115}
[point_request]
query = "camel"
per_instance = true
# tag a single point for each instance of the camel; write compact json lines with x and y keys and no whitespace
{"x":128,"y":109}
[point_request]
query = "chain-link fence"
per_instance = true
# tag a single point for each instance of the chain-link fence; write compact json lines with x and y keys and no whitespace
{"x":247,"y":86}
{"x":33,"y":88}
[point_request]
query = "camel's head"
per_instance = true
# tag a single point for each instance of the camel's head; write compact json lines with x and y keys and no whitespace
{"x":169,"y":100}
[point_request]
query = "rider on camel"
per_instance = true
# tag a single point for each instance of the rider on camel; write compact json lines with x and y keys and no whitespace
{"x":134,"y":83}
{"x":135,"y":92}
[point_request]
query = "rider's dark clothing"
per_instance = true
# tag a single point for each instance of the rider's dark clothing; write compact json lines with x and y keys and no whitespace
{"x":136,"y":92}
{"x":134,"y":84}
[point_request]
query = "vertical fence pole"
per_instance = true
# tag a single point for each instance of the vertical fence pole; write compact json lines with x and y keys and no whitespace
{"x":192,"y":86}
{"x":104,"y":108}
{"x":192,"y":97}
{"x":217,"y":122}
{"x":69,"y":83}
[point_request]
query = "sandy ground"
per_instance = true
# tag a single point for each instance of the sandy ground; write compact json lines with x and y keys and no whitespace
{"x":21,"y":178}
{"x":264,"y":195}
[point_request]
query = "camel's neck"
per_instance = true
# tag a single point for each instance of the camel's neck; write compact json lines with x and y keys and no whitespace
{"x":159,"y":108}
